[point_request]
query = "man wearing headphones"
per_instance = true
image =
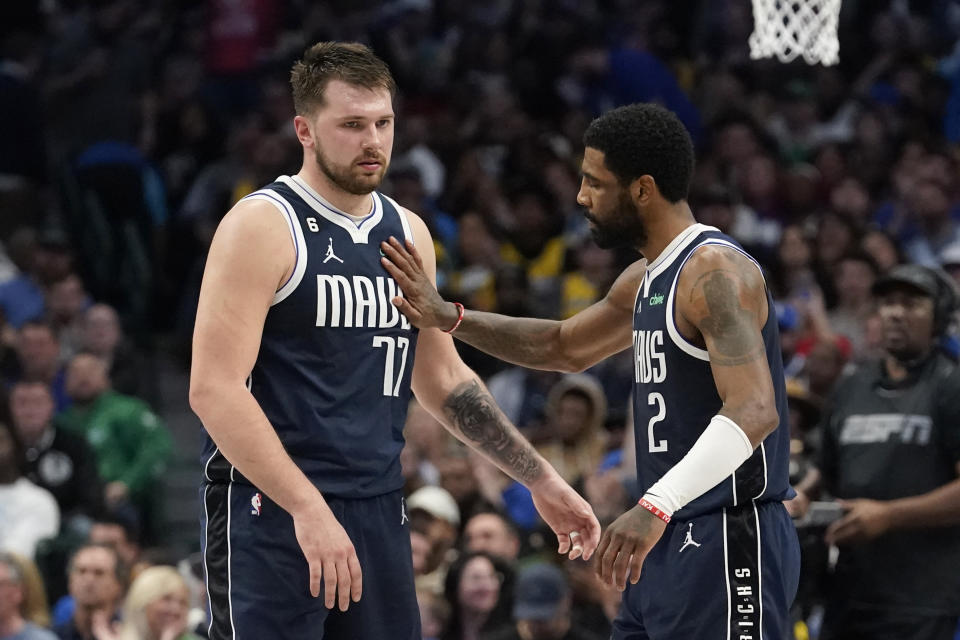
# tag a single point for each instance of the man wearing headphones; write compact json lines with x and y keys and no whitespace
{"x":891,"y":454}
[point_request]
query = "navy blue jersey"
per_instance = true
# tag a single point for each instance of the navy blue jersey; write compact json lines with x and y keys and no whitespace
{"x":333,"y":371}
{"x":675,"y":396}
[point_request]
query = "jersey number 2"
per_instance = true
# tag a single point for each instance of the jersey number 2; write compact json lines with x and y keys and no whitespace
{"x":656,"y":399}
{"x":391,"y":384}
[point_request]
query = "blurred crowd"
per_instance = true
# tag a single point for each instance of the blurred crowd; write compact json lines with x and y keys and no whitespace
{"x":128,"y":128}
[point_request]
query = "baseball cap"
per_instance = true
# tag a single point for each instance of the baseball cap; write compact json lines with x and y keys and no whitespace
{"x":950,"y":256}
{"x":437,"y":502}
{"x":910,"y":275}
{"x":540,"y":592}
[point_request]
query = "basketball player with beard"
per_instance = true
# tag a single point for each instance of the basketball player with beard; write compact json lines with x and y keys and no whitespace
{"x":719,"y":553}
{"x":302,"y":373}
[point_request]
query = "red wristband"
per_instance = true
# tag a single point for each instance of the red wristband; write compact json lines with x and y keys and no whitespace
{"x":649,"y":506}
{"x":459,"y":318}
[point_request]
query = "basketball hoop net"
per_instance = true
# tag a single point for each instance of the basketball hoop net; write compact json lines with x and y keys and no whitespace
{"x":790,"y":28}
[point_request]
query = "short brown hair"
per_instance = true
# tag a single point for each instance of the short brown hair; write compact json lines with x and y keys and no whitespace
{"x":350,"y":62}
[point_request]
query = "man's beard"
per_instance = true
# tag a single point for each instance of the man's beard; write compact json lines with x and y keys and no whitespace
{"x":344,"y":177}
{"x":623,"y":227}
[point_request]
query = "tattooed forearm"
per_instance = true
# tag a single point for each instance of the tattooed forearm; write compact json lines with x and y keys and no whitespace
{"x":528,"y":342}
{"x":731,"y":327}
{"x":471,"y":409}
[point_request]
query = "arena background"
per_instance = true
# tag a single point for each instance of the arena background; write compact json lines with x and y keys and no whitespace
{"x":129,"y":127}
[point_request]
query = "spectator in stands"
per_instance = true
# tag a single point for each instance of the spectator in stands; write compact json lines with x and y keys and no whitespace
{"x":574,"y":437}
{"x":28,"y":514}
{"x":113,"y":530}
{"x":60,"y":462}
{"x":594,"y":273}
{"x":522,"y":393}
{"x":21,"y":297}
{"x":121,"y":533}
{"x":542,"y":608}
{"x":428,"y":436}
{"x":492,"y":532}
{"x":535,"y":246}
{"x":8,"y":360}
{"x":434,"y":614}
{"x":97,"y":579}
{"x":38,"y":360}
{"x":8,"y":342}
{"x":595,"y":603}
{"x":156,"y":607}
{"x":608,"y":487}
{"x":13,"y":626}
{"x":883,"y":248}
{"x":479,"y":588}
{"x":457,"y":471}
{"x":435,"y":519}
{"x":891,"y":453}
{"x":930,"y":204}
{"x":825,"y":362}
{"x":102,"y":336}
{"x":854,"y":275}
{"x":66,"y":301}
{"x":131,"y":444}
{"x":33,"y":606}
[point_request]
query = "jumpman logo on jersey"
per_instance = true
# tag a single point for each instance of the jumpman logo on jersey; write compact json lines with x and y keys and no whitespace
{"x":689,"y":539}
{"x":330,"y":254}
{"x":403,"y":512}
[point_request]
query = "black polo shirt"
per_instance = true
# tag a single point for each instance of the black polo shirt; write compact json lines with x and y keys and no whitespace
{"x":885,"y":440}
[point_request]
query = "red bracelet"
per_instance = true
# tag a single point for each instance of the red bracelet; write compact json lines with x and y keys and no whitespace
{"x":459,"y":319}
{"x":649,"y":506}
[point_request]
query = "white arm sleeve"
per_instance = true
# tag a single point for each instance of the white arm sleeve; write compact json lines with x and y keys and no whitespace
{"x":717,"y":453}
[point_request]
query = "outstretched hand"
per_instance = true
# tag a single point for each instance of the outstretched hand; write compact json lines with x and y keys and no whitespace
{"x":625,"y":545}
{"x":421,"y":303}
{"x":569,"y":516}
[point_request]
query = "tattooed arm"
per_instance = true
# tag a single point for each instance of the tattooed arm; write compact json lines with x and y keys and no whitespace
{"x":452,"y":392}
{"x":722,"y":307}
{"x":471,"y":411}
{"x":601,"y":330}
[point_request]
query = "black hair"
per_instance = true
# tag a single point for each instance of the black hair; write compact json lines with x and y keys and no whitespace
{"x":127,"y":522}
{"x":499,"y":616}
{"x":645,"y":139}
{"x":19,"y":460}
{"x":488,"y":509}
{"x":120,"y":569}
{"x":859,"y":255}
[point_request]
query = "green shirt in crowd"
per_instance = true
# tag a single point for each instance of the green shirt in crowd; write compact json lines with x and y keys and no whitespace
{"x":131,"y":444}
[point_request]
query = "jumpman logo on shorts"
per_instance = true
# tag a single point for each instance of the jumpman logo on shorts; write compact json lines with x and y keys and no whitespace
{"x":689,"y":539}
{"x":330,"y":254}
{"x":403,"y":512}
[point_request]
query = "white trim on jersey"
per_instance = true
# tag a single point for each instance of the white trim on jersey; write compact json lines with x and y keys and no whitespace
{"x":358,"y":230}
{"x":726,"y":572}
{"x":763,"y":454}
{"x":404,"y":222}
{"x":678,"y":244}
{"x":682,"y":343}
{"x":296,"y":234}
{"x":206,"y":467}
{"x":756,"y":515}
{"x":206,"y":546}
{"x":233,"y":627}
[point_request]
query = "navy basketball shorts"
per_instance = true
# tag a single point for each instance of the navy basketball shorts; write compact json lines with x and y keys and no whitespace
{"x":726,"y":575}
{"x":258,"y":581}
